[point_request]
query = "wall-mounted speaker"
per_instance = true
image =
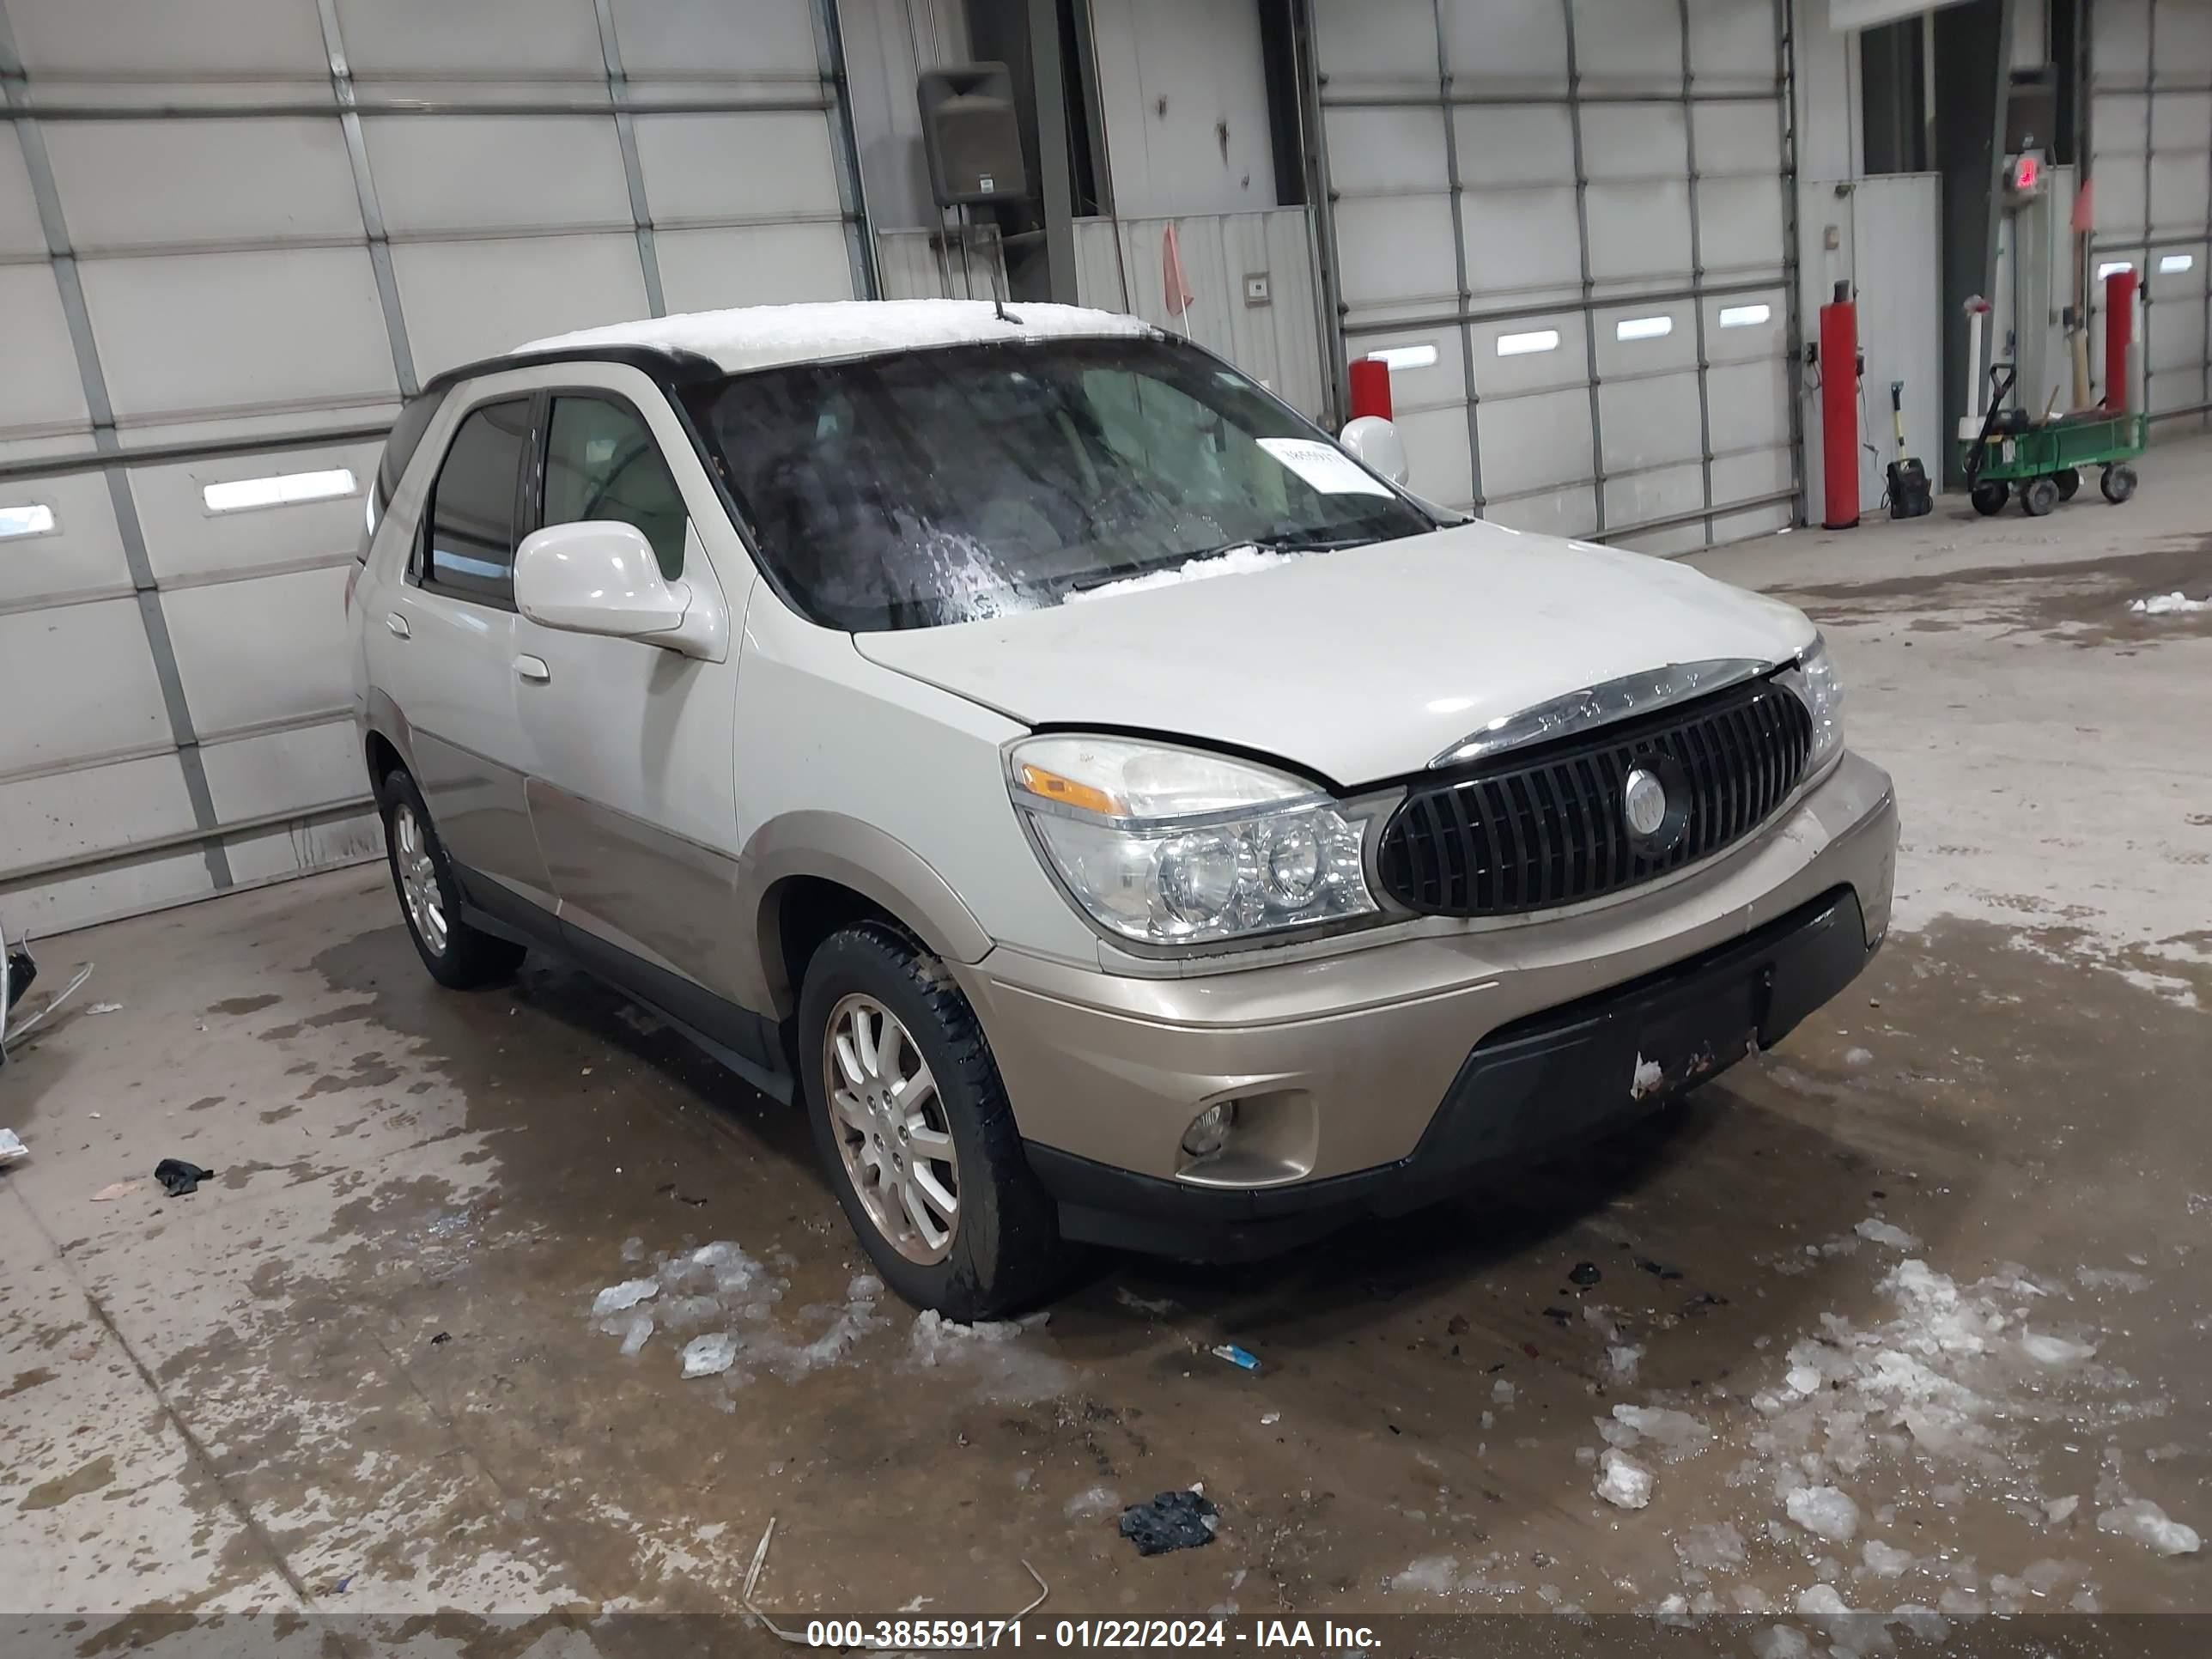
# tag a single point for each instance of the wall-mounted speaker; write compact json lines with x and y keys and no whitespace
{"x":971,"y":135}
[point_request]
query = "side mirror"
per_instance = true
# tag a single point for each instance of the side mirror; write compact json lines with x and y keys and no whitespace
{"x":597,"y":577}
{"x":1375,"y":442}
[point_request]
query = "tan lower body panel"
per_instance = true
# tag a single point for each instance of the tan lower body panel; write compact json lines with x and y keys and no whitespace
{"x":1351,"y":1054}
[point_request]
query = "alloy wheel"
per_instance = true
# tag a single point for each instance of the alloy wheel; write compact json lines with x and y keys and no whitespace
{"x":418,"y":879}
{"x":891,"y":1130}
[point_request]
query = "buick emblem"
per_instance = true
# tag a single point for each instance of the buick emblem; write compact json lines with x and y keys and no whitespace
{"x":1643,"y":803}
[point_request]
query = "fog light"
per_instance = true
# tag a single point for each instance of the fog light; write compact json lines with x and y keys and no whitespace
{"x":1209,"y":1130}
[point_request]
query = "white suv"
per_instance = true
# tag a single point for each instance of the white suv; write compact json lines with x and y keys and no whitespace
{"x":1114,"y":811}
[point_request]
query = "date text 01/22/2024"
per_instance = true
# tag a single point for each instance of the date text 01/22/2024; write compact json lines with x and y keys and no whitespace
{"x":916,"y":1635}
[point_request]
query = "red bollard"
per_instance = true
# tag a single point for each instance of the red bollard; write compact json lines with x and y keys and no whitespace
{"x":1371,"y":388}
{"x":1839,"y":409}
{"x":2120,"y":336}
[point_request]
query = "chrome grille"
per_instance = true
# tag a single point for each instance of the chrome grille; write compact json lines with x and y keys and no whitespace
{"x":1536,"y":829}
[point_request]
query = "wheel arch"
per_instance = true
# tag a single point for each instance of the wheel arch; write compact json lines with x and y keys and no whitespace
{"x":805,"y":875}
{"x":386,"y":742}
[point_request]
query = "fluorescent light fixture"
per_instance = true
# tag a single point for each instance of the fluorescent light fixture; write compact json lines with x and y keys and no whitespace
{"x":31,"y":519}
{"x":1744,"y":316}
{"x":279,"y":489}
{"x":2114,"y":267}
{"x":1643,"y":328}
{"x":1412,"y":357}
{"x":1517,"y":345}
{"x":2169,"y":264}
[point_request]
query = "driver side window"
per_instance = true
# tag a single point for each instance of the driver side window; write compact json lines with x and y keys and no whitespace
{"x":602,"y":462}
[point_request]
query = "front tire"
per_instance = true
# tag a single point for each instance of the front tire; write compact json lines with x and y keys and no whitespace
{"x":2039,"y":495}
{"x":458,"y":957}
{"x":1989,"y":498}
{"x":915,"y":1133}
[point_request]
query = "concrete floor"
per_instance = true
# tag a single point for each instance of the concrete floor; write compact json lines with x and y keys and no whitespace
{"x":357,"y":1372}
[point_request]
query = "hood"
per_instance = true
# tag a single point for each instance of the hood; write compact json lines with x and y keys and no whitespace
{"x":1356,"y":666}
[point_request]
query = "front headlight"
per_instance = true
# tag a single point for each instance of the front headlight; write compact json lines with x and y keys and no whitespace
{"x":1821,"y":689}
{"x":1166,"y":846}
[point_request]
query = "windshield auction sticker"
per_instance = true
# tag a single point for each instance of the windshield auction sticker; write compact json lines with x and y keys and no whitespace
{"x":1328,"y":471}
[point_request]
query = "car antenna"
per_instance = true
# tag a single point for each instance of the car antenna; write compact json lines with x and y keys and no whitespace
{"x":1003,"y":316}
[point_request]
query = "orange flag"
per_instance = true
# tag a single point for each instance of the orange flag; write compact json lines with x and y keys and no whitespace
{"x":1179,"y":296}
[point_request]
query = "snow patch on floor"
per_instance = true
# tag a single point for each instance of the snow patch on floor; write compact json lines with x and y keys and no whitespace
{"x":1875,"y":1231}
{"x":2146,"y":1523}
{"x":1431,"y":1575}
{"x":1001,"y":1358}
{"x":1625,"y":1484}
{"x":1825,"y":1511}
{"x":1675,"y":1435}
{"x":2169,"y":604}
{"x":720,"y":1309}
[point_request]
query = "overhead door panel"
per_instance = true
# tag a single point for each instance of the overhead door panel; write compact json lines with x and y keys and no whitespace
{"x":2150,"y":144}
{"x":1565,"y":195}
{"x":232,"y":239}
{"x":137,"y":185}
{"x":44,"y":391}
{"x":271,"y":329}
{"x":475,"y":175}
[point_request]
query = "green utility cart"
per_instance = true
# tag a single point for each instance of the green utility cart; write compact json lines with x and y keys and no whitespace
{"x":2043,"y":462}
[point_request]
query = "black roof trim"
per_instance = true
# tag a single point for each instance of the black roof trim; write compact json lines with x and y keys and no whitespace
{"x":670,"y":367}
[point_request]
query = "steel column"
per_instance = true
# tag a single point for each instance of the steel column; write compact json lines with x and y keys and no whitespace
{"x":852,"y":189}
{"x":1589,"y":285}
{"x":364,"y":189}
{"x":1459,"y":250}
{"x":2150,"y":152}
{"x":1054,"y":190}
{"x":1785,"y":67}
{"x":1321,"y":198}
{"x":641,"y":211}
{"x":1697,"y":274}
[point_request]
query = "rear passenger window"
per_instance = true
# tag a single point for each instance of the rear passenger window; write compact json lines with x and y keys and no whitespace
{"x":472,"y":543}
{"x":602,"y":462}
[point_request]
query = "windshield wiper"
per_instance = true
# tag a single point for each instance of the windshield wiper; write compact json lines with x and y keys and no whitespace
{"x":1282,"y":543}
{"x":1292,"y":543}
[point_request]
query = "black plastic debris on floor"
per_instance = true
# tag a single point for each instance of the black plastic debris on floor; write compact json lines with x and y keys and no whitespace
{"x":177,"y":1176}
{"x":1172,"y":1521}
{"x":1585,"y":1274}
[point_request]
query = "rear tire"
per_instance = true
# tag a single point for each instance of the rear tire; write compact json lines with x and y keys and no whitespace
{"x":1989,"y":498}
{"x":914,"y":1141}
{"x":458,"y":957}
{"x":2118,"y":482}
{"x":2039,"y":495}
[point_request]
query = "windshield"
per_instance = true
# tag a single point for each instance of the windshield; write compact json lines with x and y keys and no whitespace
{"x":971,"y":482}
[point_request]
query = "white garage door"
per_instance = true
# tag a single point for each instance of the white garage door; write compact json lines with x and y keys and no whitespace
{"x":2150,"y":139}
{"x":257,"y":222}
{"x":1565,"y":220}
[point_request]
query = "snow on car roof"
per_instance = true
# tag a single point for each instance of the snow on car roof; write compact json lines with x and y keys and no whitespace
{"x":764,"y":336}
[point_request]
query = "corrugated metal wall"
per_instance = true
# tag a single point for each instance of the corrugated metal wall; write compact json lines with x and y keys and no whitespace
{"x":1579,"y":208}
{"x":256,"y":220}
{"x":1272,"y":334}
{"x":2150,"y":138}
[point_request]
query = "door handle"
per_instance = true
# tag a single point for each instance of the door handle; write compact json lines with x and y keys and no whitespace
{"x":533,"y":668}
{"x":397,"y":625}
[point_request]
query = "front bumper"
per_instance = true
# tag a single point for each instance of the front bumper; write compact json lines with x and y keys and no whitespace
{"x":1374,"y":1076}
{"x":1536,"y":1085}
